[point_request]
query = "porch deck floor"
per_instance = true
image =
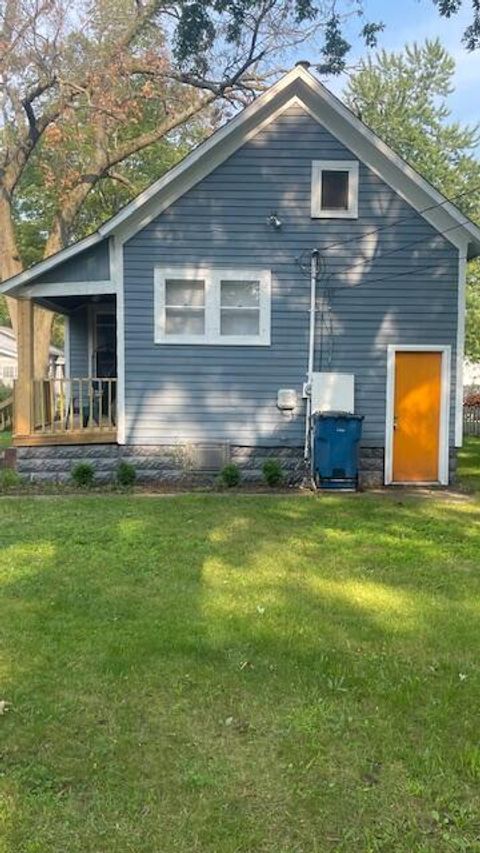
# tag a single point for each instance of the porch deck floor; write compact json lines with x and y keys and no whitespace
{"x":103,"y":433}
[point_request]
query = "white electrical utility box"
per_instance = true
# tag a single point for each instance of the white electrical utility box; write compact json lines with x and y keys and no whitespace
{"x":333,"y":392}
{"x":286,"y":399}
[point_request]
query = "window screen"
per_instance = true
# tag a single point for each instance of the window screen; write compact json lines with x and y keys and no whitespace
{"x":184,"y":307}
{"x":239,"y":307}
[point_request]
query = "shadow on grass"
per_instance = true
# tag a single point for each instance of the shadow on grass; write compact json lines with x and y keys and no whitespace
{"x":193,"y":666}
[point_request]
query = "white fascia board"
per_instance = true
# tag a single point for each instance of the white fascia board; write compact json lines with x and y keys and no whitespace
{"x":395,"y":172}
{"x":301,"y":88}
{"x":200,"y":169}
{"x":67,"y":288}
{"x":245,"y":119}
{"x":298,"y":86}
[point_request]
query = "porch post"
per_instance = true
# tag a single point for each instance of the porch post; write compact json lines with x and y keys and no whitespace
{"x":23,"y":403}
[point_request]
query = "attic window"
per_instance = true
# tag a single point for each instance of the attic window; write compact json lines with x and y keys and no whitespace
{"x":334,"y":189}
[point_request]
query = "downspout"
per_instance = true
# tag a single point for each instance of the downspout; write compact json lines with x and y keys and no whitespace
{"x":311,"y":347}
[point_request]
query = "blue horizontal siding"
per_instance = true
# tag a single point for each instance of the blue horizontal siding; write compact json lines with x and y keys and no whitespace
{"x":92,"y":264}
{"x":78,"y":337}
{"x":204,"y":393}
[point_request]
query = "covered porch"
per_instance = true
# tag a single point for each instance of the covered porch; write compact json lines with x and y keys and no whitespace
{"x":80,"y":406}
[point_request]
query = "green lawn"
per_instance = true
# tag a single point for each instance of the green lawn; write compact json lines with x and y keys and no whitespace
{"x":240,"y":673}
{"x":469,"y":464}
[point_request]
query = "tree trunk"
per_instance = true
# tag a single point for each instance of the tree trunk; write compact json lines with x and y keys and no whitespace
{"x":10,"y":263}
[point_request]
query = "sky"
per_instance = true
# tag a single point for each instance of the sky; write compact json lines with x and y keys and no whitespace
{"x":415,"y":20}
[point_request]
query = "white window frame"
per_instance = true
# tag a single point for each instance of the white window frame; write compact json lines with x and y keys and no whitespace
{"x":320,"y":166}
{"x":212,"y":276}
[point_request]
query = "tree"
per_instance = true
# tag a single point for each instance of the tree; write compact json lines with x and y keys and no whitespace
{"x":471,"y":35}
{"x":89,"y":85}
{"x":87,"y":88}
{"x":404,"y":98}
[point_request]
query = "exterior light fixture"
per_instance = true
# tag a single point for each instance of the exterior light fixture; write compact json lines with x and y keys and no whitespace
{"x":275,"y":221}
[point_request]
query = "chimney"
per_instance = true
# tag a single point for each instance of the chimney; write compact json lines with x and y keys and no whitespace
{"x":303,"y":63}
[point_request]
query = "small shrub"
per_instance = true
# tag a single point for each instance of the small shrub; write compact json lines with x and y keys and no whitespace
{"x":83,"y":474}
{"x":126,"y":474}
{"x":272,"y":472}
{"x":230,"y":475}
{"x":472,"y":399}
{"x":9,"y":478}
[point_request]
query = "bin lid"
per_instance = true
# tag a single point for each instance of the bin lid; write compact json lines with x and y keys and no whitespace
{"x":334,"y":415}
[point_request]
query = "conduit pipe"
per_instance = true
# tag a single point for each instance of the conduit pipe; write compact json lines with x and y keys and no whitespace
{"x":314,"y":268}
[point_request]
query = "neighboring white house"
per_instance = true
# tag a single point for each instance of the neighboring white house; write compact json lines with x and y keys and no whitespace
{"x":8,"y":357}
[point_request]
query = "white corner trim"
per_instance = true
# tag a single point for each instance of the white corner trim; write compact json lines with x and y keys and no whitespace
{"x":462,"y":304}
{"x":321,"y":166}
{"x":212,"y":277}
{"x":444,"y":427}
{"x":69,"y":288}
{"x":115,"y":249}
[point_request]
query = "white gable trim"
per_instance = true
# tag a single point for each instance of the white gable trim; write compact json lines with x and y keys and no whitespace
{"x":325,"y":108}
{"x":399,"y":176}
{"x":187,"y":178}
{"x":335,"y":117}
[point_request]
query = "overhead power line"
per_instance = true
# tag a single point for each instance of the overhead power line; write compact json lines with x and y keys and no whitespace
{"x":407,"y":218}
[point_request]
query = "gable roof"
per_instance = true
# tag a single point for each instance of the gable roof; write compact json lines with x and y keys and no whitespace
{"x":297,"y":86}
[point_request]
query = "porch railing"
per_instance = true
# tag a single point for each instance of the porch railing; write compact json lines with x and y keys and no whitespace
{"x":71,"y":405}
{"x":6,"y":414}
{"x":471,"y":419}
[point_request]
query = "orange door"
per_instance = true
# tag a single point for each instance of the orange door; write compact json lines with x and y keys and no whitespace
{"x":416,"y":436}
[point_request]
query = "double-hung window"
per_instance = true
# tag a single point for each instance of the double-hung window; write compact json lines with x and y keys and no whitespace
{"x":334,"y":189}
{"x":212,"y":306}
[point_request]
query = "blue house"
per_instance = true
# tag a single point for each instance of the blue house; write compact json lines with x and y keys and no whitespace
{"x":291,"y":263}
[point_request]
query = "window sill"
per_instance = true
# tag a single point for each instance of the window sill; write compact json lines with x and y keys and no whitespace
{"x":232,"y":341}
{"x":335,"y":214}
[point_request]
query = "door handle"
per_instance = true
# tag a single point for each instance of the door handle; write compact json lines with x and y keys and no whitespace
{"x":395,"y":421}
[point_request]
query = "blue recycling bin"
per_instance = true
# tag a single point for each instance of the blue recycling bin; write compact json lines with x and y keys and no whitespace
{"x":335,"y":438}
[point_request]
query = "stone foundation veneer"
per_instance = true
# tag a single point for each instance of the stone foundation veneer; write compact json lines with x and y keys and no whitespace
{"x":184,"y":464}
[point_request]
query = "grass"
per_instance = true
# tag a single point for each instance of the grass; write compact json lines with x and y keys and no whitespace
{"x":237,"y":674}
{"x":469,"y":464}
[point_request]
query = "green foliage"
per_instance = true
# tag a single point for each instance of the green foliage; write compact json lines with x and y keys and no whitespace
{"x":9,"y":478}
{"x":203,"y":24}
{"x":471,"y":35}
{"x":126,"y":474}
{"x":83,"y":474}
{"x":404,"y":98}
{"x":272,"y":472}
{"x":230,"y":475}
{"x":4,"y":315}
{"x":472,"y":329}
{"x":5,"y":392}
